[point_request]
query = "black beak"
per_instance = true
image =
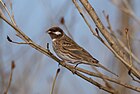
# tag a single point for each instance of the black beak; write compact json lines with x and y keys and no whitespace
{"x":48,"y":31}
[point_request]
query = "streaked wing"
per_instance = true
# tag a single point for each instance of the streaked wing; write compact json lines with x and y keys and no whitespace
{"x":76,"y":51}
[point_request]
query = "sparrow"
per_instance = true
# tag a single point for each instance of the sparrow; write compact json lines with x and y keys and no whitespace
{"x":70,"y":51}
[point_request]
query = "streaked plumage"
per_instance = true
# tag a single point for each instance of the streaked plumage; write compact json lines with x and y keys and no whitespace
{"x":69,"y":50}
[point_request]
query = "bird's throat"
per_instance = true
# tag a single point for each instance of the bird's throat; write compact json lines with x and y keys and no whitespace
{"x":53,"y":39}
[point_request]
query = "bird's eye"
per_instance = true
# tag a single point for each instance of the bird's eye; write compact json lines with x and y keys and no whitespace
{"x":57,"y":33}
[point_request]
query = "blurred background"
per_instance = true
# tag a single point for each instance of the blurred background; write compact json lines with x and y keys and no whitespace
{"x":34,"y":72}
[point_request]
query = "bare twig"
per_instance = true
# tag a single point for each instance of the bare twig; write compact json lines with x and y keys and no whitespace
{"x":10,"y":78}
{"x":48,"y":47}
{"x":119,"y":41}
{"x":10,"y":40}
{"x":48,"y":53}
{"x":128,"y":51}
{"x":133,"y":78}
{"x":62,"y":21}
{"x":97,"y":33}
{"x":117,"y":52}
{"x":94,"y":33}
{"x":109,"y":79}
{"x":128,"y":10}
{"x":11,"y":17}
{"x":58,"y":70}
{"x":69,"y":67}
{"x":105,"y":81}
{"x":127,"y":38}
{"x":108,"y":21}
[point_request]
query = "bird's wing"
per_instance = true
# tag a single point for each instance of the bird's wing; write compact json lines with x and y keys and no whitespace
{"x":77,"y":51}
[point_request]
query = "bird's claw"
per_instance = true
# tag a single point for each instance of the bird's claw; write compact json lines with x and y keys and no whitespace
{"x":74,"y":69}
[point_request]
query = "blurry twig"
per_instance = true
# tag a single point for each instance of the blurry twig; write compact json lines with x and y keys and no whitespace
{"x":119,"y":82}
{"x":127,"y":38}
{"x":10,"y":78}
{"x":11,"y":17}
{"x":109,"y":24}
{"x":10,"y":40}
{"x":127,"y":9}
{"x":133,"y":78}
{"x":54,"y":81}
{"x":108,"y":85}
{"x":48,"y":47}
{"x":62,"y":21}
{"x":95,"y":33}
{"x":119,"y":41}
{"x":128,"y":51}
{"x":48,"y":53}
{"x":114,"y":47}
{"x":69,"y":67}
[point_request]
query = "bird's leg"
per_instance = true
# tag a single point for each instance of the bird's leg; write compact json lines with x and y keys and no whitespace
{"x":74,"y":69}
{"x":77,"y":63}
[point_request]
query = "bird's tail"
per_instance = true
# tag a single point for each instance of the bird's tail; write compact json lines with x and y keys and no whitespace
{"x":97,"y":64}
{"x":101,"y":66}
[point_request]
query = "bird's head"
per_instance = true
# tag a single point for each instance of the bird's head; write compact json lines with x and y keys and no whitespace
{"x":55,"y":32}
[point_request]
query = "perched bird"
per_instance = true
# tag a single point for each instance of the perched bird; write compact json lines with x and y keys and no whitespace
{"x":70,"y":51}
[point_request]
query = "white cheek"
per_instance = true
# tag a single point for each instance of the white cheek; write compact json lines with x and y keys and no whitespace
{"x":57,"y":33}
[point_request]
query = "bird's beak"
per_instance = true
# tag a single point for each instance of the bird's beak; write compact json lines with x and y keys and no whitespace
{"x":48,"y":31}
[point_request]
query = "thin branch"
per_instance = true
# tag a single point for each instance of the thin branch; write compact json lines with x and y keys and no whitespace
{"x":133,"y":78}
{"x":128,"y":10}
{"x":54,"y":81}
{"x":10,"y":78}
{"x":62,"y":21}
{"x":48,"y":53}
{"x":11,"y":17}
{"x":94,"y":33}
{"x":128,"y":51}
{"x":108,"y":21}
{"x":127,"y":38}
{"x":48,"y":47}
{"x":95,"y":83}
{"x":105,"y":81}
{"x":69,"y":67}
{"x":119,"y":41}
{"x":109,"y":79}
{"x":10,"y":40}
{"x":118,"y":52}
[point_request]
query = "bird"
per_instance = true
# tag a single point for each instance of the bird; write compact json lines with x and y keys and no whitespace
{"x":68,"y":50}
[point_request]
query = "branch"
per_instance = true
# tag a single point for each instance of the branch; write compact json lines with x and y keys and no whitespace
{"x":127,"y":10}
{"x":10,"y":78}
{"x":119,"y":41}
{"x":48,"y":53}
{"x":79,"y":71}
{"x":54,"y":81}
{"x":109,"y":79}
{"x":117,"y":51}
